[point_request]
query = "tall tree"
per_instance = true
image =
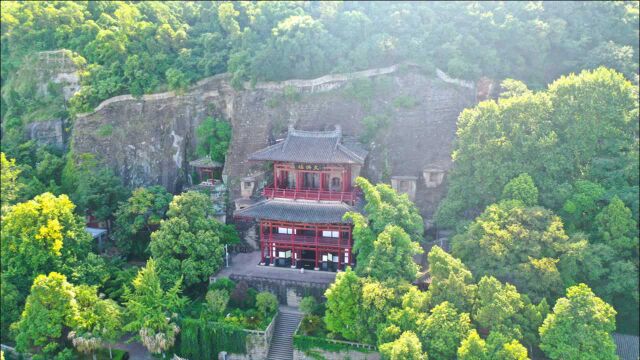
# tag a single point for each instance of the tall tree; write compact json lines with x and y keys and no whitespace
{"x":444,"y":329}
{"x":583,"y":128}
{"x":520,"y":245}
{"x":213,"y":139}
{"x":9,"y":186}
{"x":152,"y":311}
{"x":138,"y":217}
{"x":40,"y":236}
{"x":579,"y":327}
{"x":392,"y":256}
{"x":98,"y":321}
{"x":189,"y":244}
{"x":344,"y":299}
{"x":384,"y":207}
{"x":406,"y":347}
{"x":48,"y":315}
{"x":450,"y":280}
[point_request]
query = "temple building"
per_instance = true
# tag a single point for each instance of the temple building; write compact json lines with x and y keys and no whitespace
{"x":300,"y":215}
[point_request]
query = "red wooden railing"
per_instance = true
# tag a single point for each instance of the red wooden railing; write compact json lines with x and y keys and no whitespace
{"x":310,"y":194}
{"x":285,"y":239}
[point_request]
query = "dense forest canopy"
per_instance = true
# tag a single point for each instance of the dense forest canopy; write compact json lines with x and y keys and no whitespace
{"x":143,"y":47}
{"x":542,"y":197}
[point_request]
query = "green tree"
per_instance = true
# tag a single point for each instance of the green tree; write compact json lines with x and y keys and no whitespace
{"x":406,"y":347}
{"x":496,"y":347}
{"x":49,"y":312}
{"x":189,"y":243}
{"x":444,"y":329}
{"x":617,"y":228}
{"x":450,"y":280}
{"x":344,"y":298}
{"x":40,"y":236}
{"x":566,"y":145}
{"x":579,"y":327}
{"x":377,"y":301}
{"x":384,"y":207}
{"x":581,"y":207}
{"x":98,"y":321}
{"x":10,"y":301}
{"x":473,"y":347}
{"x":137,"y":218}
{"x":392,"y":256}
{"x":497,"y":306}
{"x":152,"y":311}
{"x":516,"y":244}
{"x":213,"y":137}
{"x":10,"y":186}
{"x":521,"y":188}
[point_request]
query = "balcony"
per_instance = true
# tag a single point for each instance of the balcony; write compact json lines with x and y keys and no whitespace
{"x":305,"y":241}
{"x":348,"y":197}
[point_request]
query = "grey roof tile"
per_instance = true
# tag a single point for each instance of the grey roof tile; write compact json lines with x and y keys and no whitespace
{"x":305,"y":211}
{"x":321,"y":147}
{"x":627,"y":347}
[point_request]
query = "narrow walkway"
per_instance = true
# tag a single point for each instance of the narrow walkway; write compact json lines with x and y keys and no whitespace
{"x":282,"y":341}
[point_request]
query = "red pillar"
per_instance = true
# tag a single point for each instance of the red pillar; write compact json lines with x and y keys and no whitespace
{"x":339,"y":247}
{"x":344,"y":180}
{"x":271,"y":255}
{"x":298,"y":180}
{"x":275,"y":175}
{"x":261,"y":244}
{"x":317,"y":249}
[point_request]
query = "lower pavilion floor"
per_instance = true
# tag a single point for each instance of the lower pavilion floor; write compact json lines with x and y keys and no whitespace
{"x":310,"y":246}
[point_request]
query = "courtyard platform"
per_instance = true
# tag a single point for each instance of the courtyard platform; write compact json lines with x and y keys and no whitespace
{"x":246,"y":266}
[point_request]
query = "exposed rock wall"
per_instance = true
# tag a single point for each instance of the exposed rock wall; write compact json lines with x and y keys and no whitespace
{"x":151,"y":138}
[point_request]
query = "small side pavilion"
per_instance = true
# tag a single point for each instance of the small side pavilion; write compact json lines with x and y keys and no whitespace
{"x":207,"y":169}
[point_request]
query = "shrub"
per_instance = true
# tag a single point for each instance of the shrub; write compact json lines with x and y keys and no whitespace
{"x":216,"y":303}
{"x":312,"y":325}
{"x":266,"y":303}
{"x":405,"y":102}
{"x":223,"y":284}
{"x":240,"y":295}
{"x":308,"y":305}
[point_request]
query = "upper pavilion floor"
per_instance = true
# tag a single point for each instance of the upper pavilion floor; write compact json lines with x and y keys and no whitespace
{"x":313,"y":165}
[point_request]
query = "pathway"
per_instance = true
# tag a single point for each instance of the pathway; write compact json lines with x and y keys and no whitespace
{"x":281,"y":347}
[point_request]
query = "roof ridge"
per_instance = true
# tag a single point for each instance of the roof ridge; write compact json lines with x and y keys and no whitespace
{"x":337,"y":132}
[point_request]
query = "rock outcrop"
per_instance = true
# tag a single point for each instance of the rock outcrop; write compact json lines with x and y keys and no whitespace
{"x":149,"y":140}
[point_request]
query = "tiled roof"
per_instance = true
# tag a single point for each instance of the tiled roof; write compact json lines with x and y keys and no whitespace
{"x":320,"y":147}
{"x":627,"y":346}
{"x":312,"y":212}
{"x":205,"y":162}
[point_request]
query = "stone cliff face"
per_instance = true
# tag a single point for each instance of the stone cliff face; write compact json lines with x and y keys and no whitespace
{"x":150,"y":140}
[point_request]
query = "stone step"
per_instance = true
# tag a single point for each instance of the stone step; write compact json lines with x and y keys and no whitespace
{"x":282,"y":341}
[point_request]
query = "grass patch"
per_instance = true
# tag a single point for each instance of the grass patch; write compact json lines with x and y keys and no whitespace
{"x":405,"y":102}
{"x":105,"y":130}
{"x":308,"y":344}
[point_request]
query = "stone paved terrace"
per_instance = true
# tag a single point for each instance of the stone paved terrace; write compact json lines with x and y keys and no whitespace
{"x":247,"y":264}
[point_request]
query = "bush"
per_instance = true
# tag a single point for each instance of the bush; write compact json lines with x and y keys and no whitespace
{"x":308,"y":305}
{"x":240,"y":295}
{"x":312,"y":325}
{"x":266,"y":303}
{"x":223,"y":284}
{"x":216,"y":303}
{"x":201,"y":339}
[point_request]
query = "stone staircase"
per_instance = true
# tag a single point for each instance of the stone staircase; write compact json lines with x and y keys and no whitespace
{"x":282,"y":341}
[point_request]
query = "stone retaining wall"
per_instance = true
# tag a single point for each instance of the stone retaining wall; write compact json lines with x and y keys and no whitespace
{"x":257,"y":344}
